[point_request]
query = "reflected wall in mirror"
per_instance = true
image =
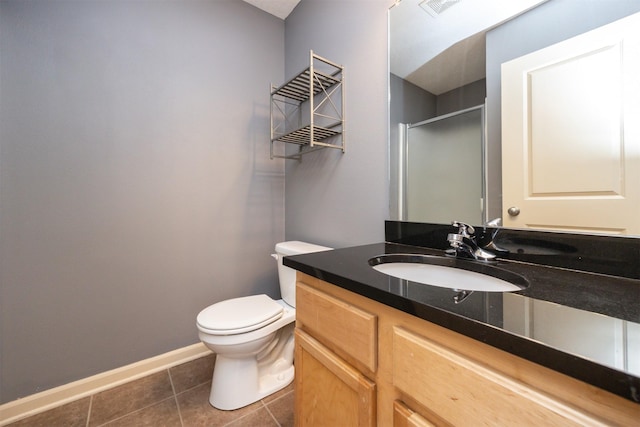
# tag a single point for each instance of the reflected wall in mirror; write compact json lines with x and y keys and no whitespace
{"x":452,"y":61}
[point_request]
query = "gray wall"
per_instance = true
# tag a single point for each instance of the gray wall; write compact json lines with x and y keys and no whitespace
{"x":543,"y":26}
{"x":332,"y":198}
{"x":135,"y":180}
{"x":410,"y":103}
{"x":467,"y":96}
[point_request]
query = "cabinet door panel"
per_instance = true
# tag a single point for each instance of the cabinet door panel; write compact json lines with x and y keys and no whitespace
{"x":329,"y":391}
{"x":342,"y":327}
{"x":403,"y":416}
{"x":464,"y":392}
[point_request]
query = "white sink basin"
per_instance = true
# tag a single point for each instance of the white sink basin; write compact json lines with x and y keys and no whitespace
{"x":448,"y":273}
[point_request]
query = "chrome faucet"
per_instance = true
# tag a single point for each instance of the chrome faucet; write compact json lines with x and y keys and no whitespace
{"x":465,"y":245}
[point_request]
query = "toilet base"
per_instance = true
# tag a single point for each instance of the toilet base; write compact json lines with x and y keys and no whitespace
{"x":238,"y":382}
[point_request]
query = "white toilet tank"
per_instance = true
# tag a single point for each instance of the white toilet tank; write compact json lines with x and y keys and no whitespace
{"x":287,"y":275}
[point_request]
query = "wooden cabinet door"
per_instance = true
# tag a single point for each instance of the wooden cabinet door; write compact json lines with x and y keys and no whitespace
{"x":403,"y":416}
{"x":465,"y":392}
{"x":329,"y":391}
{"x":344,"y":328}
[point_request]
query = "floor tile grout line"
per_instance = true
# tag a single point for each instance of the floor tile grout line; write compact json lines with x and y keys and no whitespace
{"x":89,"y":410}
{"x":263,"y":404}
{"x":136,"y":411}
{"x":191,"y":388}
{"x":270,"y":413}
{"x":247,"y":414}
{"x":280,"y":397}
{"x":275,"y":400}
{"x":175,"y":397}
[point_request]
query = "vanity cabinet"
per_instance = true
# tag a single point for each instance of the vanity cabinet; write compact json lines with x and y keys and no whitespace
{"x":352,"y":352}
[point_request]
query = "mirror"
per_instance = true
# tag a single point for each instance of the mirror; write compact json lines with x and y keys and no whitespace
{"x":458,"y":136}
{"x":446,"y":56}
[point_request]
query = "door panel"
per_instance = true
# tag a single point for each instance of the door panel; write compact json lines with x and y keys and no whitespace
{"x":329,"y":391}
{"x":570,"y":141}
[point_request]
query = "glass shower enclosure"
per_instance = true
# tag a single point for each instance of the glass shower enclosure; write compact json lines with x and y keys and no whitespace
{"x":442,"y":168}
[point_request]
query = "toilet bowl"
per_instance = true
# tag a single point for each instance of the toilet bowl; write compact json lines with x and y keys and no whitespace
{"x":253,"y":339}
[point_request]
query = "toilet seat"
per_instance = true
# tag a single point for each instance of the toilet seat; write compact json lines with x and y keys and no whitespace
{"x":239,"y":315}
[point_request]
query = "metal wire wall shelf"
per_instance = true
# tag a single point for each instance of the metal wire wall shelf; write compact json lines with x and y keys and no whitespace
{"x":308,"y":110}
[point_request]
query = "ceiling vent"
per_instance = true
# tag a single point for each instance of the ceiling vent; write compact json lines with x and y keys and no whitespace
{"x":436,"y":7}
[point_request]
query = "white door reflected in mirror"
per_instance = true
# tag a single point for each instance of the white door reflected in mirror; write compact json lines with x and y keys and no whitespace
{"x":570,"y":133}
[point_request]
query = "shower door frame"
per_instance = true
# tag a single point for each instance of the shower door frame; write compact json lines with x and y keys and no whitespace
{"x":403,"y":137}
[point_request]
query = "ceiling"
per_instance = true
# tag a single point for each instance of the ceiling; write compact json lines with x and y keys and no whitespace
{"x":279,"y":8}
{"x":422,"y":45}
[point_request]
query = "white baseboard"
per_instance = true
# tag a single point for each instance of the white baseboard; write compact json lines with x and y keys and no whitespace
{"x":49,"y":399}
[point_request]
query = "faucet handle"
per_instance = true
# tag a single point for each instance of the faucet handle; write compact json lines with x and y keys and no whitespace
{"x":464,"y":230}
{"x":494,"y":222}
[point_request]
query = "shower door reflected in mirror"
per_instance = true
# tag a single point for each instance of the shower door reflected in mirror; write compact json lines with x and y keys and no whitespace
{"x":442,"y":164}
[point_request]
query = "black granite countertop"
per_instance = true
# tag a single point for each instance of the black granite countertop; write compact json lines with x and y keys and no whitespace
{"x":592,"y":307}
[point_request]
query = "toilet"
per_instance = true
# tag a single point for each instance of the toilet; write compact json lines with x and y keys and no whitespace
{"x":252,"y":338}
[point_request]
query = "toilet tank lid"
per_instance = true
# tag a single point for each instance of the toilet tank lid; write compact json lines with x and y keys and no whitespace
{"x":295,"y":247}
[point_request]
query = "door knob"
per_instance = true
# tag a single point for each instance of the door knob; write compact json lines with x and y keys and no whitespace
{"x":513,"y":211}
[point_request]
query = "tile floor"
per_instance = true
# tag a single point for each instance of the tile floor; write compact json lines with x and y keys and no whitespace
{"x":178,"y":397}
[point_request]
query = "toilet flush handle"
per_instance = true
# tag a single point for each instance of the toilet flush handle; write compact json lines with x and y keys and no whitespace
{"x":275,"y":256}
